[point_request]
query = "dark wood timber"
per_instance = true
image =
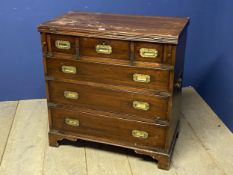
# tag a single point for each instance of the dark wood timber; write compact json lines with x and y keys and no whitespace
{"x":110,"y":100}
{"x":71,"y":39}
{"x":115,"y":26}
{"x":158,"y":47}
{"x":109,"y":74}
{"x":123,"y":75}
{"x":120,"y":49}
{"x":118,"y":131}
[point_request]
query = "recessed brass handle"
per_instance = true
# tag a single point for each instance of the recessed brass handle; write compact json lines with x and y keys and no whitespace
{"x":72,"y":122}
{"x":69,"y":69}
{"x":60,"y":44}
{"x":103,"y":49}
{"x":141,"y":78}
{"x":140,"y":134}
{"x":148,"y":53}
{"x":71,"y":95}
{"x":141,"y":105}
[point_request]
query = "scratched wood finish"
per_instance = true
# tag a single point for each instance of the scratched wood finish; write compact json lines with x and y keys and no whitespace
{"x":150,"y":46}
{"x":115,"y":26}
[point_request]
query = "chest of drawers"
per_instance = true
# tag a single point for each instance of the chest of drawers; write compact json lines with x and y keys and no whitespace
{"x":115,"y":79}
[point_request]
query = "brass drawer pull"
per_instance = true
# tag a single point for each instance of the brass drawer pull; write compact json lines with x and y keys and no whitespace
{"x":71,"y":95}
{"x":141,"y":78}
{"x":141,"y":105}
{"x":104,"y":49}
{"x":69,"y":69}
{"x":60,"y":44}
{"x":72,"y":122}
{"x":140,"y":134}
{"x":148,"y":53}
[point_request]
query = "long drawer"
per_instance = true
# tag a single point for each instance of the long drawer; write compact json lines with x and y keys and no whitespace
{"x":145,"y":106}
{"x":154,"y":79}
{"x":106,"y":129}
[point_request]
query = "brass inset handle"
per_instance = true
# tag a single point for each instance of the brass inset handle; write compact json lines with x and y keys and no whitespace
{"x":141,"y":105}
{"x":103,"y":49}
{"x":148,"y":53}
{"x":69,"y":69}
{"x":71,"y":95}
{"x":139,"y":134}
{"x":72,"y":122}
{"x":141,"y":78}
{"x":60,"y":44}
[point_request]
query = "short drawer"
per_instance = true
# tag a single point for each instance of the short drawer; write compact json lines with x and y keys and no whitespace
{"x":63,"y":44}
{"x":154,"y":79}
{"x":148,"y":52}
{"x":105,"y":48}
{"x":114,"y":49}
{"x":136,"y":105}
{"x":106,"y":129}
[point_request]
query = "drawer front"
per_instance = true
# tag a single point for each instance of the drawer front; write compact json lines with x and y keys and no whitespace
{"x":104,"y":48}
{"x":107,"y":129}
{"x":108,"y":74}
{"x":148,"y":52}
{"x":114,"y":49}
{"x":109,"y":100}
{"x":63,"y":44}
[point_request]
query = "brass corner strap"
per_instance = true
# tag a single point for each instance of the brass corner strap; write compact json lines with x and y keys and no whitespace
{"x":162,"y":123}
{"x":49,"y":78}
{"x":178,"y":83}
{"x":51,"y":105}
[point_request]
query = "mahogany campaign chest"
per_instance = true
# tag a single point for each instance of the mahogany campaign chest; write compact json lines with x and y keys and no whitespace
{"x":115,"y":79}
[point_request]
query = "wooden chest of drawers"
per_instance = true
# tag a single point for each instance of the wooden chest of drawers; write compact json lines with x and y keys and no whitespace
{"x":115,"y":79}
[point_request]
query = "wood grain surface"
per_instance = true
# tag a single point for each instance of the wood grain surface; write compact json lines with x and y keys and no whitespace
{"x":115,"y":26}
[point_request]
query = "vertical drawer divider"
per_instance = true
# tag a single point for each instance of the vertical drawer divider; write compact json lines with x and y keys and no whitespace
{"x":77,"y":47}
{"x":132,"y":54}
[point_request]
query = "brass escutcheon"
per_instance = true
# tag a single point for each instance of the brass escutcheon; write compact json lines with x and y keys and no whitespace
{"x":69,"y":69}
{"x":103,"y":49}
{"x":72,"y":122}
{"x":139,"y":134}
{"x":60,"y":44}
{"x":148,"y":53}
{"x":141,"y":105}
{"x":71,"y":95}
{"x":141,"y":78}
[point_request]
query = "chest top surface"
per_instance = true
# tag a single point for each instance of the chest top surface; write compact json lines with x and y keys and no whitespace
{"x":117,"y":26}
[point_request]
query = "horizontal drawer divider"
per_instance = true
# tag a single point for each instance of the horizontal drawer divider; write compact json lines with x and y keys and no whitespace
{"x":106,"y":61}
